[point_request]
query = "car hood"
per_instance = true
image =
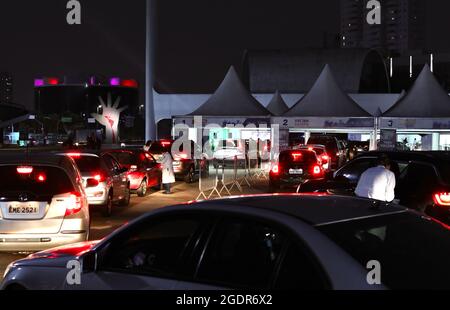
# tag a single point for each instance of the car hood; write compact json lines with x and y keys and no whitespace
{"x":57,"y":257}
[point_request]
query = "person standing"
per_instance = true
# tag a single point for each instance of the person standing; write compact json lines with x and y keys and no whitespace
{"x":168,"y":176}
{"x":377,"y":182}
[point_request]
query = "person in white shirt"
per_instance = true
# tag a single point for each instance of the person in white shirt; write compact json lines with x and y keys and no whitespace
{"x":377,"y":182}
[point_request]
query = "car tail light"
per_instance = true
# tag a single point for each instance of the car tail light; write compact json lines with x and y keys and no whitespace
{"x":74,"y":155}
{"x":442,"y":199}
{"x":99,"y":177}
{"x":75,"y":205}
{"x":296,"y":156}
{"x":24,"y":169}
{"x":275,"y":169}
{"x":133,"y":167}
{"x":41,"y":177}
{"x":325,"y":157}
{"x":183,"y":155}
{"x":166,"y":143}
{"x":317,"y":170}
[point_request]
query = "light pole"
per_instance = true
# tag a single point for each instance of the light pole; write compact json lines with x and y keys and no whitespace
{"x":150,"y":128}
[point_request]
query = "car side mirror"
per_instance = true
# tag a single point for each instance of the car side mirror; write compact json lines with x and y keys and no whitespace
{"x":89,"y":262}
{"x":91,"y":183}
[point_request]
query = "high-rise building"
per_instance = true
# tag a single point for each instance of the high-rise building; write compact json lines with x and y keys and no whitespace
{"x":6,"y":88}
{"x":402,"y":25}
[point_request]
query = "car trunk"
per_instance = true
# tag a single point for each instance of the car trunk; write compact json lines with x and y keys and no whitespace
{"x":33,"y":202}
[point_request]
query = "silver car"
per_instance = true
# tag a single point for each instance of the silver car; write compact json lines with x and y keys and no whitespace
{"x":42,"y":203}
{"x":104,"y":180}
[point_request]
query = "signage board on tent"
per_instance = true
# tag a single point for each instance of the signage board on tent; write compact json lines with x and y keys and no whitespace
{"x":323,"y":122}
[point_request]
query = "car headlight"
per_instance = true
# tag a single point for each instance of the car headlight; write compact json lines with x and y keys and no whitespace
{"x":7,"y":270}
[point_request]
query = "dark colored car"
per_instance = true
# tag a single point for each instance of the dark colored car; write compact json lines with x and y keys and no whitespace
{"x":185,"y":166}
{"x":294,"y":167}
{"x":422,"y":180}
{"x":105,"y":181}
{"x":143,"y":170}
{"x":269,"y":242}
{"x":334,"y":148}
{"x":321,"y":153}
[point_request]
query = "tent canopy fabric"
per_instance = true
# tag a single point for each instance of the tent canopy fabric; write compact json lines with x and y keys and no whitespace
{"x":277,"y":106}
{"x":426,"y":98}
{"x":231,"y":98}
{"x":326,"y":99}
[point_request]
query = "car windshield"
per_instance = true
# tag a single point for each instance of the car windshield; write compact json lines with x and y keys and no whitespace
{"x":41,"y":181}
{"x":87,"y":163}
{"x":330,"y":144}
{"x":125,"y":158}
{"x":413,"y":251}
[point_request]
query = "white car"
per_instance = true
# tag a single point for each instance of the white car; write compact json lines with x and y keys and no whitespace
{"x":227,"y":155}
{"x":42,"y":203}
{"x":254,"y":242}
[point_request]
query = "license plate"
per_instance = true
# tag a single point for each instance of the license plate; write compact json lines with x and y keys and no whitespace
{"x":295,"y":171}
{"x":23,"y":208}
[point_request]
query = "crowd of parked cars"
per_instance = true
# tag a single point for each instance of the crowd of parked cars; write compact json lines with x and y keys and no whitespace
{"x":323,"y":237}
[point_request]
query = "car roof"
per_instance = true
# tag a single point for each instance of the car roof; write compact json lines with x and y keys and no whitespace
{"x":315,"y":209}
{"x":429,"y":156}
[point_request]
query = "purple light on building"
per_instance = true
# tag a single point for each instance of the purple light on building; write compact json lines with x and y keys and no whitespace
{"x":115,"y":81}
{"x":38,"y":82}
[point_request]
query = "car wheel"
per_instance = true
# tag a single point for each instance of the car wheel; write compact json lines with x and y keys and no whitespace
{"x":142,"y":190}
{"x":107,"y":208}
{"x":189,"y":178}
{"x":126,"y":200}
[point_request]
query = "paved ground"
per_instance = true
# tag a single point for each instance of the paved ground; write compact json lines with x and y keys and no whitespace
{"x":139,"y":205}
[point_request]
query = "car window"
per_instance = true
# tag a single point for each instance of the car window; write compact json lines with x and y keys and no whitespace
{"x":299,"y":271}
{"x":41,"y":181}
{"x":353,"y":170}
{"x":125,"y":158}
{"x":152,"y":248}
{"x":413,"y":251}
{"x":88,"y":163}
{"x":241,"y":253}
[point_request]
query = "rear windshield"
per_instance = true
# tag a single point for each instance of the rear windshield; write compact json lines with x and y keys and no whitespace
{"x":158,"y":148}
{"x":413,"y":252}
{"x":42,"y":181}
{"x":297,"y":157}
{"x":87,"y":163}
{"x":330,"y":144}
{"x":125,"y":158}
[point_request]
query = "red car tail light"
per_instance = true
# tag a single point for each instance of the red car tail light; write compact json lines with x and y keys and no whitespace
{"x":296,"y":156}
{"x":74,"y":155}
{"x":99,"y":177}
{"x":442,"y":199}
{"x":41,"y":177}
{"x":317,"y":170}
{"x":325,"y":157}
{"x":75,"y":205}
{"x":133,"y":168}
{"x":24,"y":169}
{"x":275,"y":169}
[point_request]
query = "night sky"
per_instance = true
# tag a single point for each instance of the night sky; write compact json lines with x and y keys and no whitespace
{"x":196,"y":40}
